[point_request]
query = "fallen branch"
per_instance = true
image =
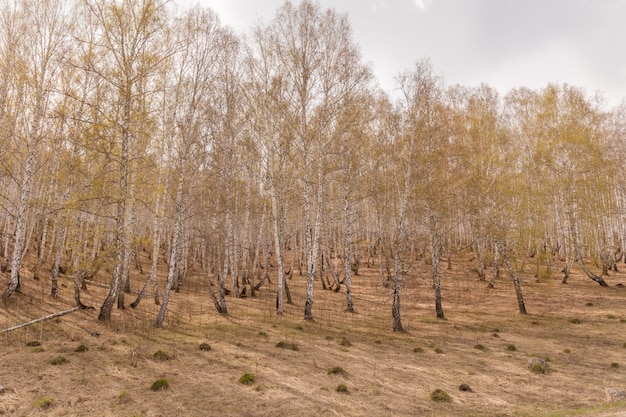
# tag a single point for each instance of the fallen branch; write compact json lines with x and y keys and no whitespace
{"x":51,"y":316}
{"x":97,"y":284}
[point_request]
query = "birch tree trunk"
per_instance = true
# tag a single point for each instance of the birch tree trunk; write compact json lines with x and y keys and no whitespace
{"x":516,"y":282}
{"x":347,"y":237}
{"x":173,"y":265}
{"x":435,"y":242}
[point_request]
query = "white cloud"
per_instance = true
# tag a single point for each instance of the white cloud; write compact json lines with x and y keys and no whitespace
{"x":378,"y":6}
{"x":422,"y":4}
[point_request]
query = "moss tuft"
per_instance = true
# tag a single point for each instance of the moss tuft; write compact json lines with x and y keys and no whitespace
{"x":335,"y":370}
{"x":160,"y":385}
{"x":345,"y":342}
{"x":440,"y":395}
{"x":59,"y":360}
{"x":247,"y":378}
{"x":45,"y":402}
{"x":285,"y":345}
{"x":159,"y":355}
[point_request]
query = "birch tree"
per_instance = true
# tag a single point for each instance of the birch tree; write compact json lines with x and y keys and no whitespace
{"x":42,"y":50}
{"x":204,"y":49}
{"x":129,"y":37}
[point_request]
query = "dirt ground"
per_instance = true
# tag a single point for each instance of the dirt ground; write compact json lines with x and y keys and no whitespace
{"x":300,"y":367}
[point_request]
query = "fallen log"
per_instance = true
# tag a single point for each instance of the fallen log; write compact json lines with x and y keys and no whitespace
{"x":51,"y":316}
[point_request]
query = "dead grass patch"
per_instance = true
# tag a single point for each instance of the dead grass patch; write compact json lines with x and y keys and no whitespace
{"x":392,"y":379}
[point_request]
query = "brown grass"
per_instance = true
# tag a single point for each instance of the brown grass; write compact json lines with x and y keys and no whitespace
{"x":381,"y":371}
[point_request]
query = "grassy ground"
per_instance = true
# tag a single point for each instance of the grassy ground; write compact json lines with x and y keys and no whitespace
{"x":300,"y":367}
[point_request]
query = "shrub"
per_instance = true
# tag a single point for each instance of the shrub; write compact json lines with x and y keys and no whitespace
{"x":418,"y":349}
{"x":160,"y":384}
{"x":335,"y":370}
{"x":615,"y":365}
{"x":247,"y":379}
{"x":205,"y":347}
{"x":575,"y":320}
{"x":81,"y":348}
{"x":440,"y":395}
{"x":567,"y":351}
{"x":345,"y":342}
{"x":438,"y":350}
{"x":159,"y":355}
{"x":479,"y":347}
{"x":33,"y":343}
{"x":511,"y":348}
{"x":342,"y":388}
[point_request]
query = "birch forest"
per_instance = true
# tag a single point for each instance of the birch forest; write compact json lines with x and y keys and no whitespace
{"x":136,"y":128}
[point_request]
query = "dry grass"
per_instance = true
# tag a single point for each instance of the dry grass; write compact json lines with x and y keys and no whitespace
{"x":381,"y":371}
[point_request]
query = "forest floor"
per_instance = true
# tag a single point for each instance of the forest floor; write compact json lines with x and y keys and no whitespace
{"x":579,"y":328}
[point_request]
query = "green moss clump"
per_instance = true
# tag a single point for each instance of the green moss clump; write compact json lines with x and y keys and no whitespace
{"x":538,"y":368}
{"x":159,"y":355}
{"x":335,"y":370}
{"x":205,"y":346}
{"x":160,"y":385}
{"x":439,"y":396}
{"x":247,"y":378}
{"x":59,"y":360}
{"x":285,"y":345}
{"x":81,"y":348}
{"x":342,"y":388}
{"x":345,"y":342}
{"x":45,"y":402}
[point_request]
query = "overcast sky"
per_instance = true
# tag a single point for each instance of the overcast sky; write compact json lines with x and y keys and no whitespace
{"x":505,"y":43}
